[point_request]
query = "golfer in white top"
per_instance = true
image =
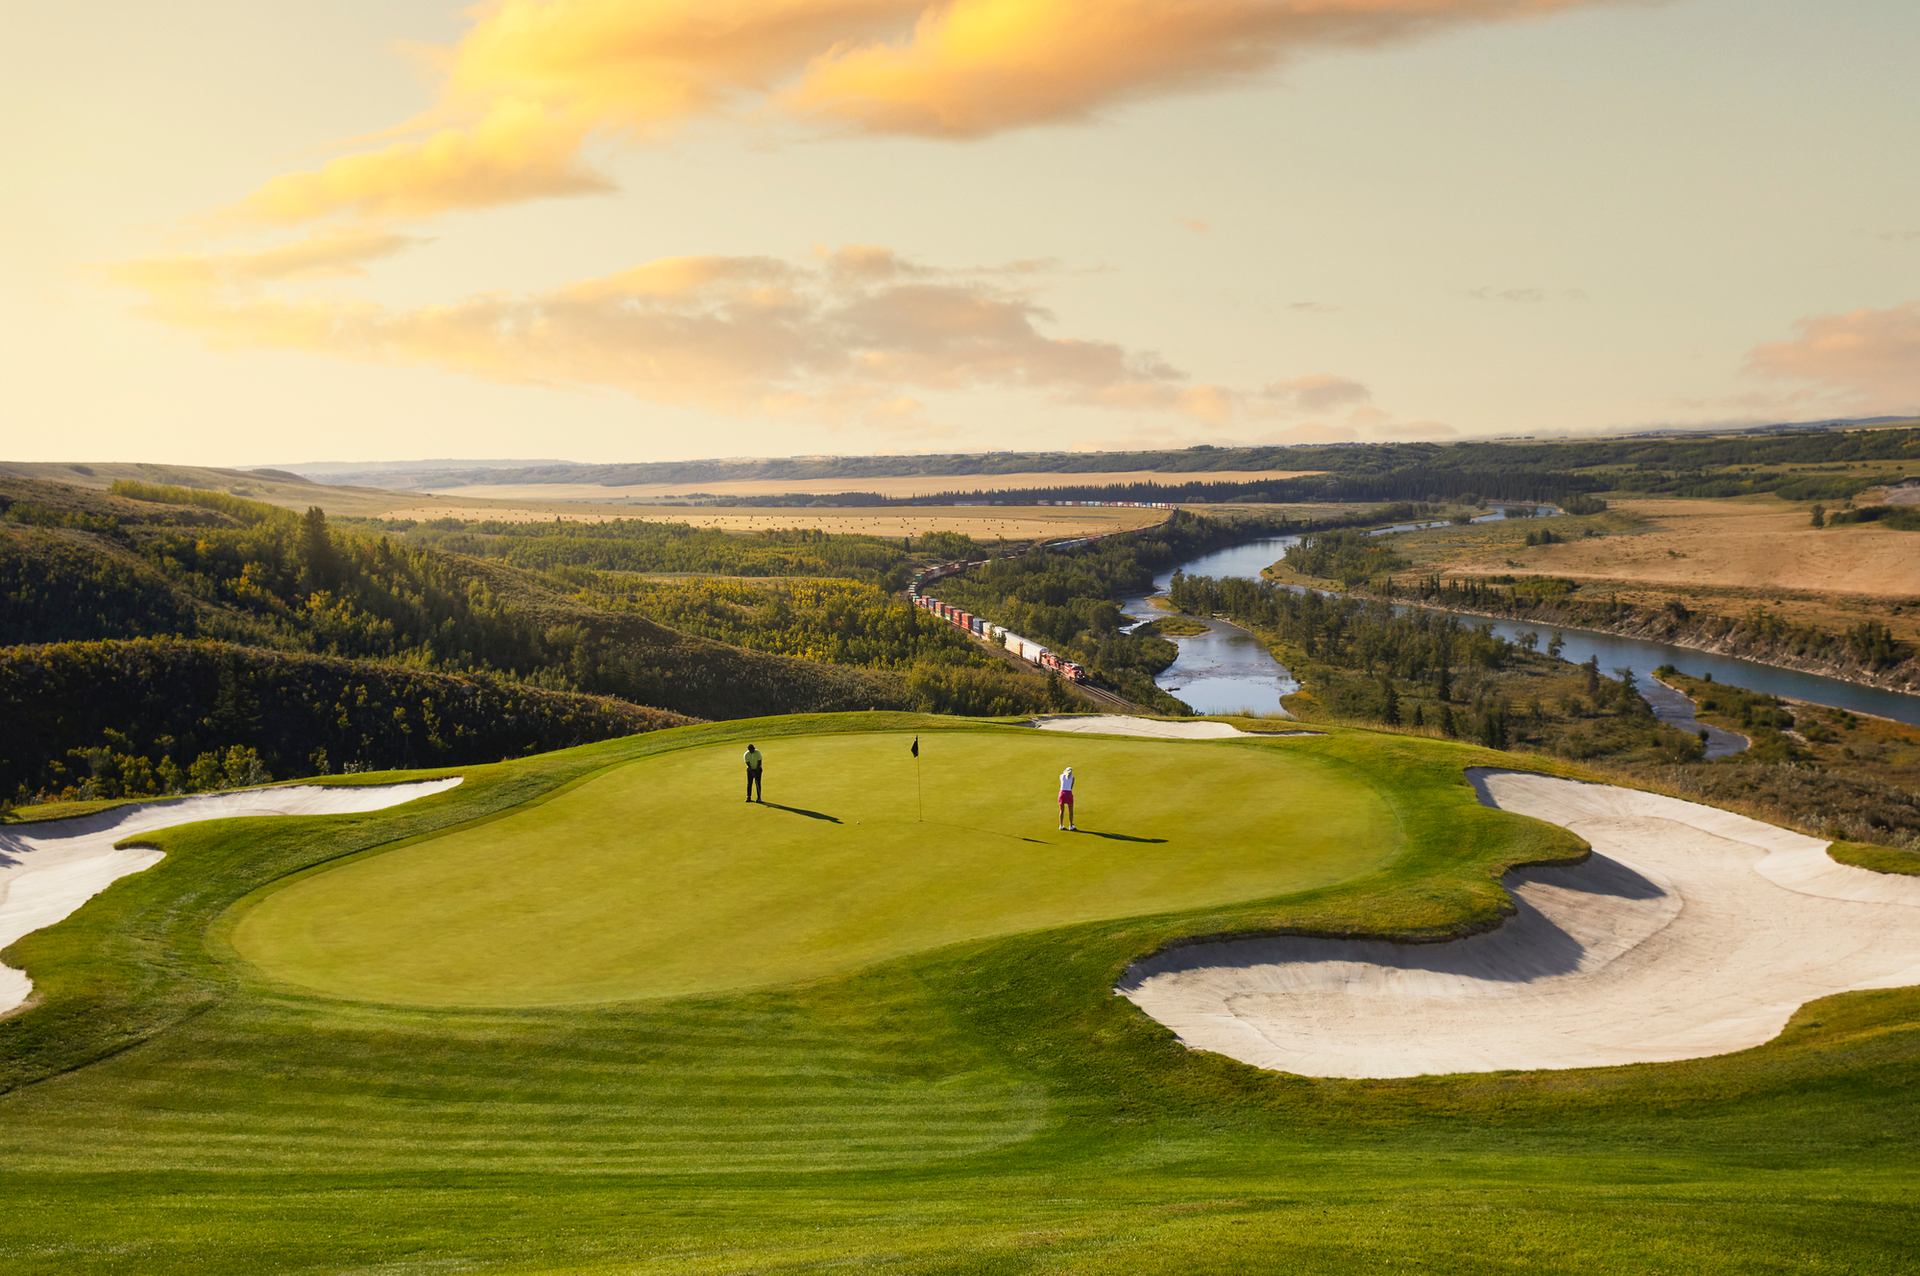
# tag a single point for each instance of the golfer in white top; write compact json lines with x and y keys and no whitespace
{"x":1066,"y":800}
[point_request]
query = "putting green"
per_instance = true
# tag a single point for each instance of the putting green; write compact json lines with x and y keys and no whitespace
{"x":656,"y":879}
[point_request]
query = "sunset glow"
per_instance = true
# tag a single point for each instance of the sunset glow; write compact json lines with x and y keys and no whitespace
{"x":657,"y":230}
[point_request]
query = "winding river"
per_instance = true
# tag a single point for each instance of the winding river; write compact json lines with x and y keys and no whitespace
{"x":1227,"y":670}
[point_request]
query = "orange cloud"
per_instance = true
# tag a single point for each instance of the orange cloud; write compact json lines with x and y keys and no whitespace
{"x":861,"y":331}
{"x":516,"y":151}
{"x":1864,"y":359}
{"x":533,"y":80}
{"x":974,"y":67}
{"x":638,"y":64}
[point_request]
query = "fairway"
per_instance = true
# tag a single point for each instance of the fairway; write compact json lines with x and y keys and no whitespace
{"x":655,"y":879}
{"x":774,"y":1042}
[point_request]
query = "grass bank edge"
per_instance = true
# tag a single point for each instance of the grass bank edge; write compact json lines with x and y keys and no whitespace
{"x":1878,"y":859}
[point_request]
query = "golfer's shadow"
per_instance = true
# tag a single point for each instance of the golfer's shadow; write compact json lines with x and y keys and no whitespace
{"x":1120,"y":837}
{"x":800,"y":810}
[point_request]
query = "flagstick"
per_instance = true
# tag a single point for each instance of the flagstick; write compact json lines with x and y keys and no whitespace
{"x":918,"y":795}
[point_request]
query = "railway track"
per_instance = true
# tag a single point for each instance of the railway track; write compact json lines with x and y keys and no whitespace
{"x":1107,"y":699}
{"x":1071,"y":677}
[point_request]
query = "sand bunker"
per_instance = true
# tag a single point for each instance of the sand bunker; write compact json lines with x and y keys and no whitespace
{"x":1154,"y":728}
{"x":48,"y":870}
{"x":1690,"y":931}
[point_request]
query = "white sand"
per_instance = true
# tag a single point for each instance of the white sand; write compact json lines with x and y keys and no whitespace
{"x":49,"y":869}
{"x":1156,"y":728}
{"x":1691,"y":931}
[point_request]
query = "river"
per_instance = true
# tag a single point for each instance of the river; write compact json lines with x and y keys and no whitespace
{"x":1229,"y":671}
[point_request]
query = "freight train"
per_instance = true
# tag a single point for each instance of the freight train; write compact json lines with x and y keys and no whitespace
{"x":985,"y":630}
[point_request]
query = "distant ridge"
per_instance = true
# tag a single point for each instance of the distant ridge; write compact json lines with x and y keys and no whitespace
{"x":442,"y":474}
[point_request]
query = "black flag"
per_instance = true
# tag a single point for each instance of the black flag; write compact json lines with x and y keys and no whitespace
{"x":916,"y":746}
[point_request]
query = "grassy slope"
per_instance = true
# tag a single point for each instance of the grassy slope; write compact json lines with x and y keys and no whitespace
{"x":987,"y":1106}
{"x":287,"y":492}
{"x":1881,"y":859}
{"x":656,"y":879}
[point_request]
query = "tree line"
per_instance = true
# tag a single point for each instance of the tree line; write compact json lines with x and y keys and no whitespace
{"x":1690,"y":464}
{"x":155,"y":716}
{"x":1869,"y":645}
{"x":633,"y":545}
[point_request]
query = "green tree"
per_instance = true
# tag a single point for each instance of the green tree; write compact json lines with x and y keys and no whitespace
{"x":204,"y":773}
{"x":1630,"y":699}
{"x":319,"y":558}
{"x":242,"y":767}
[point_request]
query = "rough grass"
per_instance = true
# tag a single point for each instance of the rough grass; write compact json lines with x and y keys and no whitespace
{"x":988,"y":1106}
{"x":37,"y":812}
{"x":1881,"y":859}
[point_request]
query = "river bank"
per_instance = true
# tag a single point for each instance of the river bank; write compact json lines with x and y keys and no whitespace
{"x":1711,"y":635}
{"x":1627,"y":648}
{"x":1631,"y":648}
{"x":1676,"y":708}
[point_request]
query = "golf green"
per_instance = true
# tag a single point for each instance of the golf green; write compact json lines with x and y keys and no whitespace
{"x":655,"y":878}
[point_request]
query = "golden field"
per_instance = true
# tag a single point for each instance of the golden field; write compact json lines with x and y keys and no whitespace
{"x":982,"y":522}
{"x":897,"y":486}
{"x":1758,"y":543}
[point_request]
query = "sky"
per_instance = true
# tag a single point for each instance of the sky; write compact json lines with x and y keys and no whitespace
{"x":623,"y":230}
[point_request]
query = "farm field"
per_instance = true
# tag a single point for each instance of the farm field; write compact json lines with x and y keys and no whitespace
{"x":543,"y":503}
{"x":212,"y":1081}
{"x":982,"y":522}
{"x":1756,"y":543}
{"x":900,"y":485}
{"x":1727,"y":555}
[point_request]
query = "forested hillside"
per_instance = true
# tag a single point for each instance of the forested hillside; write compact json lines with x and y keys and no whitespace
{"x":164,"y":715}
{"x":146,"y":562}
{"x":264,"y":577}
{"x":625,"y":545}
